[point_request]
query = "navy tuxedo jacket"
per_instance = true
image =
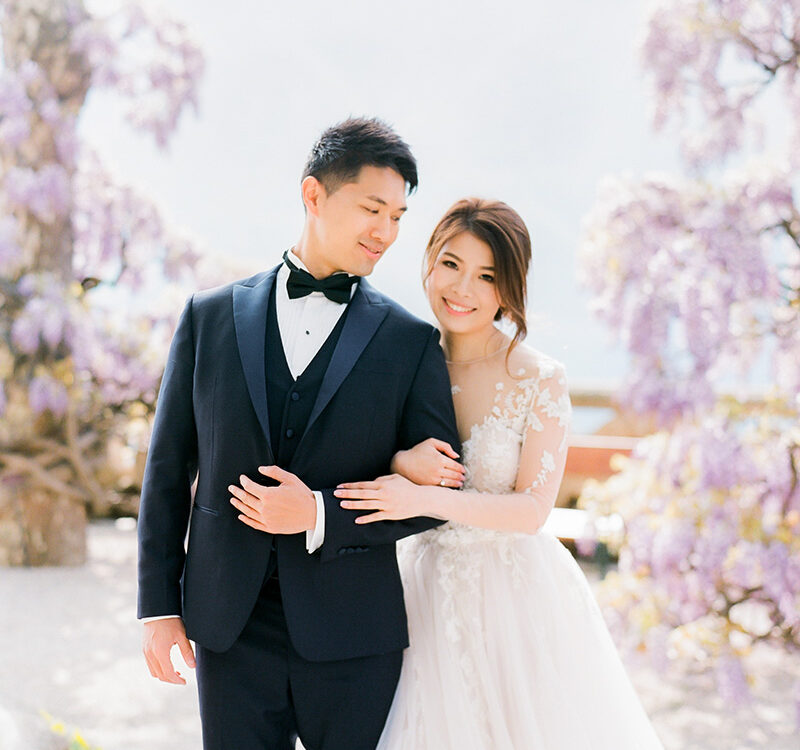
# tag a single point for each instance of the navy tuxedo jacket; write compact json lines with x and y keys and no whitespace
{"x":386,"y":389}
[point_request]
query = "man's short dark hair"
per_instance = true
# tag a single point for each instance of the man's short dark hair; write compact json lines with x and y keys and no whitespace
{"x":340,"y":152}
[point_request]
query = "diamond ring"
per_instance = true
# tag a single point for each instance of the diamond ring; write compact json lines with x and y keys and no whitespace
{"x":441,"y":483}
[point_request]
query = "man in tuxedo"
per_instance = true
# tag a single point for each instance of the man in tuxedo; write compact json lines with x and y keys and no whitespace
{"x":276,"y":389}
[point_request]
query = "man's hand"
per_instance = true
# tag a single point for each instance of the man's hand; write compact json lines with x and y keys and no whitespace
{"x":157,"y":641}
{"x":289,"y":508}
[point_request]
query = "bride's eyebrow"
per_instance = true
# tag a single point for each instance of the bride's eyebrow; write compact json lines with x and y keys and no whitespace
{"x":453,"y":255}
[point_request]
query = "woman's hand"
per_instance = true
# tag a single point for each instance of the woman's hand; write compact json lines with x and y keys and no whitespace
{"x":430,"y":462}
{"x":392,"y":497}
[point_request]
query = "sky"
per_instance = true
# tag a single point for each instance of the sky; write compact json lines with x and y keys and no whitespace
{"x":528,"y":102}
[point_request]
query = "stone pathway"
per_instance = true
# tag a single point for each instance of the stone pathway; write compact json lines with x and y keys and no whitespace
{"x":71,"y":647}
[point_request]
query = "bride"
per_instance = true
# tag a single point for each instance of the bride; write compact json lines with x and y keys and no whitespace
{"x":508,"y":647}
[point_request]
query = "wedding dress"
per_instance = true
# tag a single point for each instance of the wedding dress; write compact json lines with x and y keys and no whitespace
{"x":508,"y":650}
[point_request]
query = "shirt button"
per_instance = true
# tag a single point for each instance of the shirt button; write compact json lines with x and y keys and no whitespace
{"x":290,"y":433}
{"x":295,"y":396}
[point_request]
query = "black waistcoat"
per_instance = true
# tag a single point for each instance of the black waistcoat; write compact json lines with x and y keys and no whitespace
{"x":289,"y":401}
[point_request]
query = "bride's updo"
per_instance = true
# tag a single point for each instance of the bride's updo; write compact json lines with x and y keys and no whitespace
{"x":504,"y":231}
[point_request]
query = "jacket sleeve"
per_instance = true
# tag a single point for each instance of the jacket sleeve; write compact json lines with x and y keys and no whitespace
{"x":428,"y":412}
{"x":169,"y":472}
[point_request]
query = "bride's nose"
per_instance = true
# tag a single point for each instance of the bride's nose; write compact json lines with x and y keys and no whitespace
{"x":463,"y":285}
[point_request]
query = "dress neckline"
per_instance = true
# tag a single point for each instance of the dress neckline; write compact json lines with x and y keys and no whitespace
{"x":478,"y":359}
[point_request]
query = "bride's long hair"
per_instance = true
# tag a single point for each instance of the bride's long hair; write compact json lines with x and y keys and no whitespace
{"x":504,"y":231}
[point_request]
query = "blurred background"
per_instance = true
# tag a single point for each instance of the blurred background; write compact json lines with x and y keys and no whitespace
{"x":530,"y":105}
{"x":149,"y":149}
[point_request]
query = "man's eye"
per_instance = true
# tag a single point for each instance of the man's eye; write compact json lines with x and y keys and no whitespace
{"x":371,"y":210}
{"x":396,"y":219}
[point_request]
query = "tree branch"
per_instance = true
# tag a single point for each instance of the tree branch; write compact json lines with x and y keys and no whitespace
{"x":16,"y":462}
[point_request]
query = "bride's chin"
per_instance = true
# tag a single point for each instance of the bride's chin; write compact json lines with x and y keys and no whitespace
{"x":445,"y":325}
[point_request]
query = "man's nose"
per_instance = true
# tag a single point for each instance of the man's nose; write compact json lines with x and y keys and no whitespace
{"x":382,"y":228}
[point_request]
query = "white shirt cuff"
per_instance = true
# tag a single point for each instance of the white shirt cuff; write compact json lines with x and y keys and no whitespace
{"x":316,"y":536}
{"x":161,"y":617}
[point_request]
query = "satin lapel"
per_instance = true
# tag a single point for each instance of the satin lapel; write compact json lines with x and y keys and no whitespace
{"x":366,"y":313}
{"x":250,"y":305}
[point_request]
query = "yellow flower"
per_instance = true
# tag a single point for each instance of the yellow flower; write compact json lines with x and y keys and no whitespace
{"x":645,"y":616}
{"x":784,"y":535}
{"x":79,"y":742}
{"x":6,"y":363}
{"x":752,"y":529}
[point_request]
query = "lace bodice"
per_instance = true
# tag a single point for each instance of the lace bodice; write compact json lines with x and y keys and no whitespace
{"x":513,"y":420}
{"x":503,"y":627}
{"x":513,"y":425}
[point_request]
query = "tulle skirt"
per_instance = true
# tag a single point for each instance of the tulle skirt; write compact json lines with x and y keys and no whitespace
{"x":508,"y":651}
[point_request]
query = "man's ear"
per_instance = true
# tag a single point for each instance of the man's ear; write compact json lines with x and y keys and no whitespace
{"x":312,"y":191}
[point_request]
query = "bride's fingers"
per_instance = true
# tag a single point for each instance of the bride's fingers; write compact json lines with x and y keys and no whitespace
{"x":454,"y":466}
{"x":358,"y":494}
{"x":444,"y":448}
{"x":456,"y":476}
{"x":362,"y":504}
{"x":372,"y":517}
{"x":357,"y":486}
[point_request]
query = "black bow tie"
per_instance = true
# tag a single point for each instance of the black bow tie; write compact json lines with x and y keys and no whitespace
{"x":300,"y":283}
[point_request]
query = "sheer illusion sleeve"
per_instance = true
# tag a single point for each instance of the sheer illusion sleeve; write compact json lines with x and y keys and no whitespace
{"x":544,"y":441}
{"x":519,"y":415}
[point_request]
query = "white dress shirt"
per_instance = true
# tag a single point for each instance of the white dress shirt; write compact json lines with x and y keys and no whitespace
{"x":304,"y":324}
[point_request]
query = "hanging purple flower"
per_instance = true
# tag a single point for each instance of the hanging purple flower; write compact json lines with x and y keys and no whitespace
{"x":47,"y":394}
{"x":732,"y":682}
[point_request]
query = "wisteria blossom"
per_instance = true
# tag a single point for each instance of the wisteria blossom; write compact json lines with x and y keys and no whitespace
{"x":81,"y":353}
{"x":687,"y":273}
{"x":699,"y":277}
{"x":712,"y":61}
{"x":147,"y":58}
{"x":712,"y":536}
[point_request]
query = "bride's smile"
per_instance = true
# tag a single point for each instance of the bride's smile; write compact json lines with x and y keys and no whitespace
{"x":462,"y":293}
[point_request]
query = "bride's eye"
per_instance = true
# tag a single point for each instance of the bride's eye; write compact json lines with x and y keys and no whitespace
{"x":487,"y":277}
{"x":449,"y":264}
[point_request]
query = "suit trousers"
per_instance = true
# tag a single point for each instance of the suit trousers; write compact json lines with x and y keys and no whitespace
{"x":261,"y":694}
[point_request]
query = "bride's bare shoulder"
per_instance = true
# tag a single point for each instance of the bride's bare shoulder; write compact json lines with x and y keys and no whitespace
{"x":525,"y":362}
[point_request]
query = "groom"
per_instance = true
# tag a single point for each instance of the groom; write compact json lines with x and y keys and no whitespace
{"x":277,"y":388}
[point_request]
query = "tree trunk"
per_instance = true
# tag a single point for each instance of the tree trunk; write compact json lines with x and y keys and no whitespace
{"x":39,"y":524}
{"x":41,"y":30}
{"x":39,"y":527}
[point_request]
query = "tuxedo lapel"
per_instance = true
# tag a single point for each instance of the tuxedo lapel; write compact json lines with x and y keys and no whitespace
{"x":366,"y":313}
{"x":250,"y":304}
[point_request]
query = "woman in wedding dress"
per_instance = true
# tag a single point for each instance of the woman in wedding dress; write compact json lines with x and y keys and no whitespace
{"x":508,"y":649}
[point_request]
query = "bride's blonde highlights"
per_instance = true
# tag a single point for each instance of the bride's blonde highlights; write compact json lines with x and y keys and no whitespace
{"x":504,"y":231}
